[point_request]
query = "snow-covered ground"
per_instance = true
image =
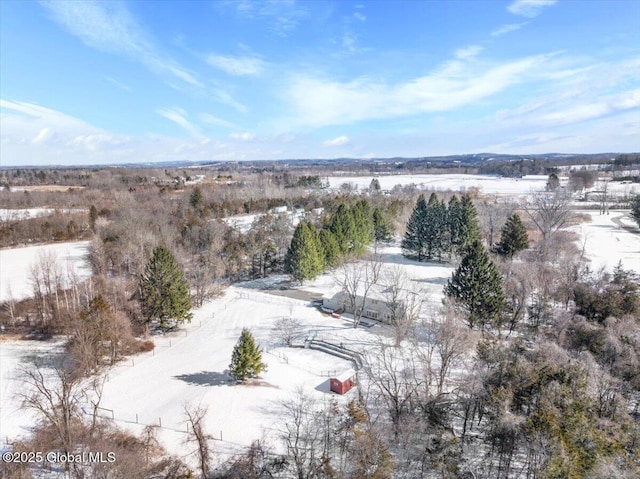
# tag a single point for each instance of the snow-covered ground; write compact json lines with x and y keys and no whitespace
{"x":487,"y":184}
{"x":606,"y":242}
{"x":16,"y":263}
{"x":14,"y":355}
{"x":26,"y":213}
{"x":243,"y":223}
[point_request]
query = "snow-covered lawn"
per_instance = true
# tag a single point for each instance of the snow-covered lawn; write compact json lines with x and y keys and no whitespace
{"x":16,"y":263}
{"x":606,"y":241}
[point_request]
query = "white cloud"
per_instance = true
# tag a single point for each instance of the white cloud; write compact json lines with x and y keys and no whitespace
{"x":44,"y":135}
{"x":360,"y":16}
{"x":110,"y":27}
{"x":250,"y":66}
{"x":504,"y":29}
{"x":468,"y":52}
{"x":318,"y":101}
{"x":214,"y":120}
{"x":529,"y":8}
{"x":283,"y":15}
{"x":339,"y":141}
{"x":119,"y":84}
{"x":244,"y":136}
{"x":179,"y":117}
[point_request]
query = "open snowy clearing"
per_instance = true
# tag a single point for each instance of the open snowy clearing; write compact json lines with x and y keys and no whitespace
{"x":26,"y":213}
{"x":487,"y":184}
{"x":609,"y":239}
{"x":16,"y":263}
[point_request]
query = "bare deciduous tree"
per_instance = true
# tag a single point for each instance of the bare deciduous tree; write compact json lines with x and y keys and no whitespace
{"x":403,"y":301}
{"x":196,"y":417}
{"x":357,"y":278}
{"x":549,"y":213}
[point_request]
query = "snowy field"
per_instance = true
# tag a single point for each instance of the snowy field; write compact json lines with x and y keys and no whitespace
{"x":606,"y":242}
{"x":242,"y":223}
{"x":16,"y":263}
{"x":487,"y":184}
{"x":26,"y":213}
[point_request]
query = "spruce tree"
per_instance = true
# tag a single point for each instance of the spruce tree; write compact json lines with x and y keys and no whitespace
{"x":343,"y":228}
{"x":196,"y":199}
{"x":413,"y":243}
{"x":468,"y":223}
{"x":164,"y":290}
{"x":513,"y":237}
{"x":454,"y":222}
{"x":246,"y":359}
{"x":303,"y":260}
{"x":382,"y":230}
{"x":477,"y":285}
{"x":435,"y":225}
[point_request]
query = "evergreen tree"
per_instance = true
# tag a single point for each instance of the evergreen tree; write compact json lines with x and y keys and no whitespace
{"x":513,"y":237}
{"x":374,"y":186}
{"x":435,"y":225}
{"x":164,"y":290}
{"x":303,"y":260}
{"x":246,"y":359}
{"x":93,"y":217}
{"x":382,"y":229}
{"x":329,"y":248}
{"x":635,"y":209}
{"x":364,"y":229}
{"x":468,"y":223}
{"x":343,"y":227}
{"x":477,"y":285}
{"x":195,"y":200}
{"x":413,"y":244}
{"x":454,"y":222}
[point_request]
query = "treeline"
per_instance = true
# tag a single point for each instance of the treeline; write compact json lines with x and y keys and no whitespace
{"x":347,"y":233}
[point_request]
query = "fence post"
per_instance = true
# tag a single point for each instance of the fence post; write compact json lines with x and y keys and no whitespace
{"x":160,"y":421}
{"x":136,"y":418}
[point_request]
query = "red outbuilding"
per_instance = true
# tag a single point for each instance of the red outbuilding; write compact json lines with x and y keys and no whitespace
{"x":341,"y":384}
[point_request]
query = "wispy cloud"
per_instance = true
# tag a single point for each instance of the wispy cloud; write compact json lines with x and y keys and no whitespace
{"x":359,"y":16}
{"x":338,"y":141}
{"x":455,"y":84}
{"x":529,"y":8}
{"x":244,"y":136}
{"x":240,"y":66}
{"x":110,"y":27}
{"x":468,"y":52}
{"x":283,"y":16}
{"x":504,"y":29}
{"x":210,"y":119}
{"x":119,"y":84}
{"x":179,"y":117}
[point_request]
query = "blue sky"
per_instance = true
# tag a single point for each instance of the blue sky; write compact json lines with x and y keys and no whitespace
{"x":86,"y":82}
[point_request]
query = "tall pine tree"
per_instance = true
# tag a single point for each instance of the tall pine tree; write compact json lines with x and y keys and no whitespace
{"x":329,"y":248}
{"x":468,"y":224}
{"x":513,"y":237}
{"x":343,"y":228}
{"x":164,"y":290}
{"x":382,"y":229}
{"x":477,"y":285}
{"x":246,"y":359}
{"x":413,"y":243}
{"x":364,"y":230}
{"x":304,"y":260}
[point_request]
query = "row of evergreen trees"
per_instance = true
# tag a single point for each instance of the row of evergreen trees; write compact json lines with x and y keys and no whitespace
{"x":436,"y":230}
{"x":349,"y":231}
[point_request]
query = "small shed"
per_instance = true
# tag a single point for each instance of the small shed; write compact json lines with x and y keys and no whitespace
{"x":344,"y":382}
